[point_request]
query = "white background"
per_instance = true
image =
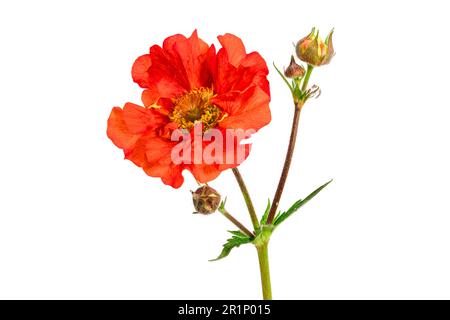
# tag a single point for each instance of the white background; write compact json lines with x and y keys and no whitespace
{"x":77,"y":221}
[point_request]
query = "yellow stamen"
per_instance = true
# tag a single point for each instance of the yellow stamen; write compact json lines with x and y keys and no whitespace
{"x":195,"y":106}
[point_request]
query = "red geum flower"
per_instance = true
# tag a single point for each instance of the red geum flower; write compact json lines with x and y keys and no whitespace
{"x":188,"y":84}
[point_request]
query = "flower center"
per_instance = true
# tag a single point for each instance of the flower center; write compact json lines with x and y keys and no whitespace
{"x":195,"y":106}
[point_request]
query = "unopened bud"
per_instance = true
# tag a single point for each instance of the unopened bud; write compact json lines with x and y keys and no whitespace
{"x":206,"y":200}
{"x":313,"y":50}
{"x":294,"y":70}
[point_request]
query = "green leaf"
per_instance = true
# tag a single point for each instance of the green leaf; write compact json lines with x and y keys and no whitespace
{"x":238,"y":233}
{"x":266,"y":213}
{"x":297,"y":205}
{"x":235,"y":241}
{"x":284,"y":78}
{"x":222,"y":205}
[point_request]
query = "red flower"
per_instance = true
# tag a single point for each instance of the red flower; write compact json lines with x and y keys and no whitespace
{"x":187,"y":84}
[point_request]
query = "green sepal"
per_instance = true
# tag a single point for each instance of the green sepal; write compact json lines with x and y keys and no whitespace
{"x":235,"y":241}
{"x":284,"y":78}
{"x":221,"y":207}
{"x":297,"y":205}
{"x":266,"y":213}
{"x":297,"y":93}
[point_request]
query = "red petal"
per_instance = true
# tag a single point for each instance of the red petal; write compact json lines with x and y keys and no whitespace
{"x":224,"y":73}
{"x":193,"y":53}
{"x":204,"y":173}
{"x":137,"y":153}
{"x":150,"y":97}
{"x":144,"y":149}
{"x":251,"y":71}
{"x":234,"y":47}
{"x":118,"y":131}
{"x":247,"y":110}
{"x":179,"y":66}
{"x":139,"y":119}
{"x":139,"y":71}
{"x":158,"y":153}
{"x":254,"y":72}
{"x":167,"y":74}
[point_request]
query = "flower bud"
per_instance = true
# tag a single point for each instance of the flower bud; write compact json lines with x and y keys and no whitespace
{"x":206,"y":200}
{"x":313,"y":50}
{"x":294,"y":70}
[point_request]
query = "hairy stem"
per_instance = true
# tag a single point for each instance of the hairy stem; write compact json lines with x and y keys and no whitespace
{"x":263,"y":256}
{"x":286,"y":166}
{"x":290,"y":151}
{"x":248,"y":200}
{"x":307,"y":76}
{"x":227,"y":215}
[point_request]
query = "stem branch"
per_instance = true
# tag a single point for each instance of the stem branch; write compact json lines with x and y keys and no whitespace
{"x":286,"y":166}
{"x":248,"y":200}
{"x":307,"y":76}
{"x":236,"y":222}
{"x":290,"y":151}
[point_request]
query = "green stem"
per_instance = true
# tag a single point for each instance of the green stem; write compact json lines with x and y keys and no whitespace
{"x":263,"y":256}
{"x":307,"y":75}
{"x":247,"y":199}
{"x":236,"y":222}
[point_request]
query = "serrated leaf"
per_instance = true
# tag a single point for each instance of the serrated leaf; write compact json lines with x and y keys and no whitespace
{"x":297,"y":205}
{"x":238,"y":233}
{"x":235,"y":241}
{"x":266,"y":213}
